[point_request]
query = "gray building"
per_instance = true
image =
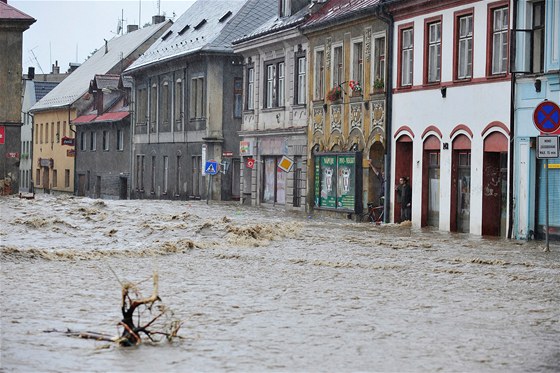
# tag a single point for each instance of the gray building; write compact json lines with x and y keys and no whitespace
{"x":274,"y":128}
{"x":104,"y":140}
{"x":188,"y":103}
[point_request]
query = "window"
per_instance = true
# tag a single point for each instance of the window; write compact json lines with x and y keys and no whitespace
{"x":178,"y":104}
{"x":52,"y":132}
{"x":464,"y":46}
{"x":83,"y":139}
{"x":153,"y":108}
{"x":92,"y":141}
{"x":285,"y":8}
{"x":433,"y":65}
{"x":67,"y":178}
{"x":358,"y":62}
{"x":105,"y":140}
{"x":142,"y":106}
{"x":58,"y":132}
{"x":197,"y":98}
{"x":237,"y":97}
{"x":38,"y":176}
{"x":54,"y":178}
{"x":153,"y":183}
{"x":275,"y":85}
{"x":165,"y":173}
{"x":407,"y":49}
{"x":46,"y":133}
{"x":120,"y":140}
{"x":537,"y":62}
{"x":379,"y":62}
{"x":498,"y":30}
{"x":301,"y":87}
{"x":338,"y":65}
{"x":250,"y":88}
{"x":319,"y":75}
{"x":64,"y":129}
{"x":165,"y":106}
{"x":140,"y":173}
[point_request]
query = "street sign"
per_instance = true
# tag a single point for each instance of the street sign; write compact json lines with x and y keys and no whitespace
{"x":2,"y":134}
{"x":547,"y":117}
{"x":285,"y":164}
{"x":547,"y":147}
{"x":250,"y":163}
{"x":211,"y":167}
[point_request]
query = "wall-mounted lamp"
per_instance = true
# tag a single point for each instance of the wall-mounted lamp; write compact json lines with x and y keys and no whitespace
{"x":445,"y":145}
{"x":443,"y":91}
{"x":538,"y":85}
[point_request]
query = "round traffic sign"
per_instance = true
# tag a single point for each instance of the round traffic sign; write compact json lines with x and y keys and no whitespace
{"x":547,"y":117}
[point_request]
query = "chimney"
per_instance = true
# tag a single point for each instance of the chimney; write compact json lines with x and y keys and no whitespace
{"x":30,"y":73}
{"x":157,"y":19}
{"x":55,"y":68}
{"x":130,"y":28}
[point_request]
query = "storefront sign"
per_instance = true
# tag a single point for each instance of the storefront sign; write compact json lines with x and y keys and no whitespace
{"x":336,"y":181}
{"x":245,"y":148}
{"x":12,"y":155}
{"x":71,"y":152}
{"x":46,"y":162}
{"x":227,"y":154}
{"x":67,"y":141}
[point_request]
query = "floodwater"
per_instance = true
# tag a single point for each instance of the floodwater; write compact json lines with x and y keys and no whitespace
{"x":263,"y":290}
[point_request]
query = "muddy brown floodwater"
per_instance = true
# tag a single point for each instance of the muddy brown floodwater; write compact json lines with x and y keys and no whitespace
{"x":259,"y":289}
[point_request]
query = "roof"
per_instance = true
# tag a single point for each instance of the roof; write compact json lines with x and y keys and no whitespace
{"x":276,"y":24}
{"x":10,"y":13}
{"x":77,"y":83}
{"x":209,"y":26}
{"x":42,"y":88}
{"x":340,"y":10}
{"x":106,"y":81}
{"x":103,"y":118}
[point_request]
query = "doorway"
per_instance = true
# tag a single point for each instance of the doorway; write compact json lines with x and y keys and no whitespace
{"x":494,"y":185}
{"x":403,"y":167}
{"x":461,"y":185}
{"x":431,"y":182}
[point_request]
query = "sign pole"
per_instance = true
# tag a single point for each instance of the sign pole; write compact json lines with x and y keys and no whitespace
{"x":209,"y":188}
{"x":547,"y":248}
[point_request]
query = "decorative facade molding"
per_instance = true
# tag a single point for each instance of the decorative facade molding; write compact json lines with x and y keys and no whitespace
{"x":318,"y":120}
{"x":356,"y":116}
{"x":336,"y":118}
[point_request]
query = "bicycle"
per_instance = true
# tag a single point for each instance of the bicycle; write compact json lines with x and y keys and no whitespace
{"x":374,"y":214}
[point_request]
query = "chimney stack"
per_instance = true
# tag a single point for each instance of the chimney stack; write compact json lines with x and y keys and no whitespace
{"x":130,"y":28}
{"x":30,"y":73}
{"x":157,"y":19}
{"x":55,"y":68}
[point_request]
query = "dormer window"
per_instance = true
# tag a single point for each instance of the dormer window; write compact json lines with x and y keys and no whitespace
{"x":285,"y":8}
{"x":166,"y":35}
{"x":184,"y":29}
{"x":200,"y":24}
{"x":225,"y":16}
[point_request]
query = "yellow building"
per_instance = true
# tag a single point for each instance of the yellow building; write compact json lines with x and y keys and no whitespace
{"x":347,"y":127}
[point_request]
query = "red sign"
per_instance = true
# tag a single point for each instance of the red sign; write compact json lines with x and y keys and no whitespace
{"x":250,"y":163}
{"x":67,"y":141}
{"x":226,"y":153}
{"x":547,"y":117}
{"x":12,"y":155}
{"x":2,"y":134}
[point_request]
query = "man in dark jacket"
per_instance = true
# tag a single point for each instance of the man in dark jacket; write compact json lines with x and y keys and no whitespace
{"x":404,"y":196}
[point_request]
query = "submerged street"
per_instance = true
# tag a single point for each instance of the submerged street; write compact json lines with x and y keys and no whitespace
{"x":259,"y":289}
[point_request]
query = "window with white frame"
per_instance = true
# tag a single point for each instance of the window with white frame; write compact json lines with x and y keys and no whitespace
{"x":197,"y":98}
{"x":178,"y":103}
{"x":434,"y":52}
{"x":338,"y":65}
{"x":301,"y":80}
{"x":250,"y":88}
{"x":275,"y":84}
{"x":379,"y":62}
{"x":465,"y":46}
{"x":358,"y":61}
{"x":165,"y":105}
{"x":319,"y":81}
{"x":407,"y":49}
{"x":153,"y":107}
{"x":500,"y":40}
{"x":105,"y":140}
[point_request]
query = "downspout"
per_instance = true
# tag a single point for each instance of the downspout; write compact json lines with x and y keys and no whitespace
{"x":388,"y":19}
{"x":512,"y":124}
{"x":75,"y":151}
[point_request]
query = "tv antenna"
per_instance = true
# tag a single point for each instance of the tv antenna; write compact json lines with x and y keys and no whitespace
{"x":36,"y":60}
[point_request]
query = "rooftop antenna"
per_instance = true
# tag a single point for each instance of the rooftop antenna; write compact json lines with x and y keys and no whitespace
{"x":139,"y":13}
{"x":36,"y":60}
{"x":158,"y":7}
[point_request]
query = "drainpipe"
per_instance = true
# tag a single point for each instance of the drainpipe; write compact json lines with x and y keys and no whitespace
{"x":75,"y":151}
{"x":512,"y":126}
{"x":383,"y":15}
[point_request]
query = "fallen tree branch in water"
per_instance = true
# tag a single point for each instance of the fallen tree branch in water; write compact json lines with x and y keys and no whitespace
{"x":135,"y":307}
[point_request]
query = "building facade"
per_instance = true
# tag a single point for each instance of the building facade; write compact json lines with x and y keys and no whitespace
{"x":54,"y":135}
{"x":537,"y":78}
{"x":347,"y":100}
{"x":188,"y":104}
{"x":275,"y":111}
{"x":103,"y":151}
{"x":12,"y":25}
{"x":451,"y":113}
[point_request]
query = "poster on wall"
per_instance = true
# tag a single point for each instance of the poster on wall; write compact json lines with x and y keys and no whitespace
{"x":338,"y":181}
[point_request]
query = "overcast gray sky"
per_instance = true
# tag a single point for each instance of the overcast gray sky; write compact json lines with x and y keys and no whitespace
{"x":70,"y":30}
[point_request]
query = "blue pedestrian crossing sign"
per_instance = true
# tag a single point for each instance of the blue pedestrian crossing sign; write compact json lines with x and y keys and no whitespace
{"x":211,"y":168}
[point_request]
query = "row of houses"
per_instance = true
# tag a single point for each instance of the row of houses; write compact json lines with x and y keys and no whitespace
{"x":319,"y":105}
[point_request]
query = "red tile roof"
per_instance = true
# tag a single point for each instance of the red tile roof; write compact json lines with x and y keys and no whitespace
{"x":84,"y":119}
{"x":336,"y":10}
{"x":107,"y":117}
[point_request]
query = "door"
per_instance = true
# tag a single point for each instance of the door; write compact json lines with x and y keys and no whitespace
{"x":46,"y":180}
{"x":98,"y":187}
{"x":433,"y":189}
{"x":464,"y":193}
{"x":123,"y":188}
{"x":81,"y":185}
{"x":491,"y":194}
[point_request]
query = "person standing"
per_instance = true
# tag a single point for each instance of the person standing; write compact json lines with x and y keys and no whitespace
{"x":404,"y":196}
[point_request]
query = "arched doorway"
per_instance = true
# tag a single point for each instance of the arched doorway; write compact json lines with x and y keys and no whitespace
{"x":461,"y":185}
{"x":403,"y":167}
{"x":494,"y":185}
{"x":376,"y":185}
{"x":430,"y":181}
